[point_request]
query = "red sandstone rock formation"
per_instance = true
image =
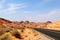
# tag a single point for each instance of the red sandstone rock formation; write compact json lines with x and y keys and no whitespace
{"x":8,"y":23}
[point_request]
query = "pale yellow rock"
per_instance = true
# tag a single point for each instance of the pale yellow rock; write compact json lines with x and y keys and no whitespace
{"x":54,"y":25}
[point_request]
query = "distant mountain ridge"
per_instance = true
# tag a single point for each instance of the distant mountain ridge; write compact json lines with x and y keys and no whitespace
{"x":4,"y":20}
{"x":8,"y":23}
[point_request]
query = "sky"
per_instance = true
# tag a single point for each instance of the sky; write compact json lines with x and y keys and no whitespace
{"x":31,"y":10}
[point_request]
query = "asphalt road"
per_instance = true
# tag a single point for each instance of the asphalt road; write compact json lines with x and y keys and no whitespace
{"x":52,"y":33}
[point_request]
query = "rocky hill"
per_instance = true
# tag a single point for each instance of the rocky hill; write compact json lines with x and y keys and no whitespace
{"x":8,"y":23}
{"x":54,"y":25}
{"x":23,"y":30}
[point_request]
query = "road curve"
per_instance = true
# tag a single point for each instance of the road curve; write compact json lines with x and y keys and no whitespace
{"x":52,"y":33}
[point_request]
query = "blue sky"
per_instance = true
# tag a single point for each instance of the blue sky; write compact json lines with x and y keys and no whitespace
{"x":32,"y":10}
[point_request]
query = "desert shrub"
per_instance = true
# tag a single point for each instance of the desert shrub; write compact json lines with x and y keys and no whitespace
{"x":17,"y":27}
{"x":4,"y":30}
{"x":15,"y":33}
{"x":6,"y":36}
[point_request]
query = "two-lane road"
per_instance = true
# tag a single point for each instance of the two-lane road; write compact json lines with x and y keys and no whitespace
{"x":52,"y":33}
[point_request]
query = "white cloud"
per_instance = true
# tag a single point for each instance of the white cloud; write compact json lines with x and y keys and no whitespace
{"x":12,"y":8}
{"x":50,"y":16}
{"x":15,"y":6}
{"x":27,"y":12}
